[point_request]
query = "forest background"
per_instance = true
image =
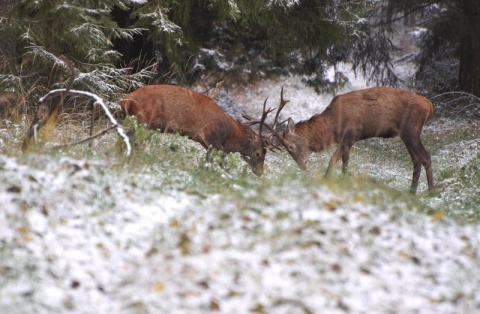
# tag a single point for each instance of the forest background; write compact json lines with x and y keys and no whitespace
{"x":119,"y":45}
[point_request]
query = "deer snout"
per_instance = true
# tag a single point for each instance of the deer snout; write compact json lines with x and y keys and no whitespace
{"x":258,"y":170}
{"x":300,"y":159}
{"x":257,"y":167}
{"x":303,"y":164}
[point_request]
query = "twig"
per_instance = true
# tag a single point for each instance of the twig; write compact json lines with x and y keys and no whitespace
{"x":92,"y":137}
{"x":405,"y":14}
{"x":457,"y":93}
{"x":294,"y":302}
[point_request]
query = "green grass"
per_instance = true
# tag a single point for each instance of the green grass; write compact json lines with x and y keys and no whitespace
{"x":185,"y":168}
{"x":379,"y":172}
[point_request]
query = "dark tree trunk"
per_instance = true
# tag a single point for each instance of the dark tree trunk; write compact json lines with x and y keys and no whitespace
{"x":470,"y":49}
{"x":7,"y":40}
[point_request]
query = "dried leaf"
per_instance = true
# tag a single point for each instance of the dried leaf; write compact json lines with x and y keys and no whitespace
{"x":437,"y":215}
{"x":259,"y":308}
{"x":336,"y":268}
{"x":214,"y":306}
{"x":14,"y":189}
{"x":359,"y":198}
{"x":404,"y":254}
{"x":184,"y":243}
{"x":159,"y":287}
{"x":331,"y":205}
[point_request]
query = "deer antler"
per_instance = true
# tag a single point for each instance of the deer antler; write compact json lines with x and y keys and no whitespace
{"x":273,"y":129}
{"x":252,"y":121}
{"x":264,"y":115}
{"x":280,"y":107}
{"x":276,"y":123}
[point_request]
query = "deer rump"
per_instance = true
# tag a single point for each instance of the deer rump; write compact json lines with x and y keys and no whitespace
{"x":378,"y":112}
{"x":174,"y":109}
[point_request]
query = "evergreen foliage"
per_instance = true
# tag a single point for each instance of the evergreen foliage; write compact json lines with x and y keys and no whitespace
{"x":283,"y":37}
{"x":50,"y":32}
{"x":180,"y":41}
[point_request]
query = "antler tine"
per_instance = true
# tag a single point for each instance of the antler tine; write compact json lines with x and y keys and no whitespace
{"x":271,"y":145}
{"x":251,"y":120}
{"x":278,"y":136}
{"x":280,"y":107}
{"x":264,"y":115}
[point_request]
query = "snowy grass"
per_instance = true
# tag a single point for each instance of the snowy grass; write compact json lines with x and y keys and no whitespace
{"x":165,"y":231}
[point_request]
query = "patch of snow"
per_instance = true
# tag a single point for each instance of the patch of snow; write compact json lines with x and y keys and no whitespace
{"x":184,"y":254}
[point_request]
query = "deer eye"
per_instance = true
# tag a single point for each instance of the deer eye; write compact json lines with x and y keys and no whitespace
{"x":258,"y":154}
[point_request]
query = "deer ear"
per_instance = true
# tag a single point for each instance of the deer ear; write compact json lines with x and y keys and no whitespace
{"x":290,"y":130}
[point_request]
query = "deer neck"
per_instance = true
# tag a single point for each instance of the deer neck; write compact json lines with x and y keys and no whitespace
{"x":238,"y":138}
{"x":318,"y":131}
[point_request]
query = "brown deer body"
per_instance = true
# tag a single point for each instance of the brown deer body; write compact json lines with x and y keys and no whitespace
{"x":176,"y":109}
{"x":354,"y":116}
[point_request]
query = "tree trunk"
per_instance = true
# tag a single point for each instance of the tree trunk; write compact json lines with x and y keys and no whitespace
{"x":469,"y":75}
{"x":7,"y":40}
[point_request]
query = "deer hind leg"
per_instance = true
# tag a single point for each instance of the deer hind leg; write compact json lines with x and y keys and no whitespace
{"x":427,"y":164}
{"x":420,"y":156}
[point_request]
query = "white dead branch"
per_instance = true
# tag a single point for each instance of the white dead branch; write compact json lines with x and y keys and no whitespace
{"x":38,"y":123}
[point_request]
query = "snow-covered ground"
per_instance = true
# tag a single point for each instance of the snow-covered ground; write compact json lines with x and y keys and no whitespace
{"x":78,"y":237}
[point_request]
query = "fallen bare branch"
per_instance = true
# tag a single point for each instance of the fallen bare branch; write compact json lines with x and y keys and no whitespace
{"x":457,"y":93}
{"x":98,"y":100}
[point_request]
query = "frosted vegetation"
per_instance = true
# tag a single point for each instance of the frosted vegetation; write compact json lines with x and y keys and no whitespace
{"x":164,"y":231}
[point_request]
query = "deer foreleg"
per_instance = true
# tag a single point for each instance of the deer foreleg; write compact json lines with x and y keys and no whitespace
{"x":208,"y":155}
{"x":343,"y":150}
{"x":334,"y":159}
{"x":347,"y":144}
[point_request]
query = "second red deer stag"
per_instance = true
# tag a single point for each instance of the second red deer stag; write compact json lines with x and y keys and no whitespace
{"x":176,"y":109}
{"x":373,"y":112}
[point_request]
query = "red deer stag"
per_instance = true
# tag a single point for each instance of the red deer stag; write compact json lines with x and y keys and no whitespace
{"x":176,"y":109}
{"x":354,"y":116}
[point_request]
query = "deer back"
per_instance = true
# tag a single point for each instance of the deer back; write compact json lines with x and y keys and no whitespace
{"x":377,"y":112}
{"x":175,"y":109}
